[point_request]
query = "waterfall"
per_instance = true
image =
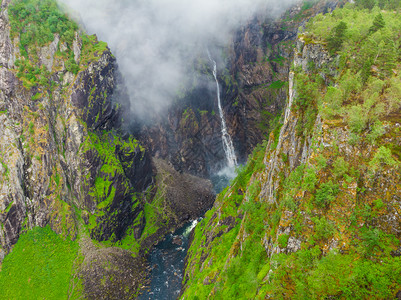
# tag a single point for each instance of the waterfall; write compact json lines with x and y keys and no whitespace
{"x":190,"y":228}
{"x":227,"y":142}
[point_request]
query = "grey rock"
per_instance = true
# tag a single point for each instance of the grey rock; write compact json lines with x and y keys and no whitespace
{"x":6,"y":57}
{"x":46,"y":54}
{"x":76,"y":47}
{"x":294,"y":244}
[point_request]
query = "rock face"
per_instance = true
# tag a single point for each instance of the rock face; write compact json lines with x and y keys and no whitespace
{"x":178,"y":199}
{"x":254,"y":82}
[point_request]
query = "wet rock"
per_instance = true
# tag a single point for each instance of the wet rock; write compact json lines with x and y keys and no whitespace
{"x":110,"y":273}
{"x":177,"y":240}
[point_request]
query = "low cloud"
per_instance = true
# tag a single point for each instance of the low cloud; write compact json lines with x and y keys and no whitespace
{"x":155,"y":41}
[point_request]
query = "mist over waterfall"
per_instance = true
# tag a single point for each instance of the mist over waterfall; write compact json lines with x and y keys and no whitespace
{"x":225,"y":136}
{"x":156,"y":41}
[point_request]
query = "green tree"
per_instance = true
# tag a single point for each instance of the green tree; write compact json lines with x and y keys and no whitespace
{"x":382,"y":157}
{"x":378,"y":23}
{"x":368,"y":4}
{"x":326,"y":193}
{"x":336,"y":38}
{"x":340,"y":167}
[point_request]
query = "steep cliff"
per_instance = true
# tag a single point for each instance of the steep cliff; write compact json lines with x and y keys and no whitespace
{"x":315,"y":212}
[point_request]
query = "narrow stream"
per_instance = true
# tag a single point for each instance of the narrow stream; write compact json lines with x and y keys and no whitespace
{"x":167,"y":262}
{"x":167,"y":257}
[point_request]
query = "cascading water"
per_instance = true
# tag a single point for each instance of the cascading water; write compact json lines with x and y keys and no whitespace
{"x":227,"y":142}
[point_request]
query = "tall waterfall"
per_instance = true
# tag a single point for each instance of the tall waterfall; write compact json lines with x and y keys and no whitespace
{"x":227,"y":142}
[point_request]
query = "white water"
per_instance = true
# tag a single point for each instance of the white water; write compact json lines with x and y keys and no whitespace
{"x":190,"y":228}
{"x":227,"y":142}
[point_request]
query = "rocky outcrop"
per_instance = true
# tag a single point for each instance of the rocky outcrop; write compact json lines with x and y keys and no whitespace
{"x":110,"y":272}
{"x":178,"y":199}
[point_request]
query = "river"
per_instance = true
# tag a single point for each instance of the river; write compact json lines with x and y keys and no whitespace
{"x":167,"y":257}
{"x":167,"y":262}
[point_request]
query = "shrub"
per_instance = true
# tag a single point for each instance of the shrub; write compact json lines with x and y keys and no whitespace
{"x":283,"y":240}
{"x":378,"y":23}
{"x":357,"y":118}
{"x":371,"y":239}
{"x":376,"y":132}
{"x":368,"y":4}
{"x":323,"y":228}
{"x":326,"y":193}
{"x":31,"y":128}
{"x":321,"y":161}
{"x":332,"y":102}
{"x":340,"y":167}
{"x":310,"y":179}
{"x":382,"y":157}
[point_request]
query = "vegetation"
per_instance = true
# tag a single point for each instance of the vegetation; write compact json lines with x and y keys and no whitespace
{"x":36,"y":24}
{"x":40,"y":266}
{"x":336,"y":38}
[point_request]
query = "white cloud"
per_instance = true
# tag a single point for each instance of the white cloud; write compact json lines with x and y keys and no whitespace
{"x":155,"y":40}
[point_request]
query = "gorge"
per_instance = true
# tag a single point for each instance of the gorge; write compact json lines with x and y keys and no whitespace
{"x":267,"y":167}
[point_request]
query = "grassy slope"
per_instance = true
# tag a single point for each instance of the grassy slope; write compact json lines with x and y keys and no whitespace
{"x":361,"y":98}
{"x":39,"y":267}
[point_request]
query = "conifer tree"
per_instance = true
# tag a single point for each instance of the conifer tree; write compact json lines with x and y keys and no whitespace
{"x":378,"y":23}
{"x":336,"y":38}
{"x":369,"y":4}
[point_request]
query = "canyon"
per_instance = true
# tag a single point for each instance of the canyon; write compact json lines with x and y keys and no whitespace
{"x":308,"y":127}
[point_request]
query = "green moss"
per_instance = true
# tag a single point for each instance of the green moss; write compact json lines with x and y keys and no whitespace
{"x":92,"y":49}
{"x":8,"y":207}
{"x":104,"y":192}
{"x":283,"y":240}
{"x":104,"y":145}
{"x":276,"y":85}
{"x":40,"y":266}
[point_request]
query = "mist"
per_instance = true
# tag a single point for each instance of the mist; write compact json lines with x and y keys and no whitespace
{"x":155,"y":41}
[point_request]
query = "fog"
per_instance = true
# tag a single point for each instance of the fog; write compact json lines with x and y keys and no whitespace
{"x":155,"y":40}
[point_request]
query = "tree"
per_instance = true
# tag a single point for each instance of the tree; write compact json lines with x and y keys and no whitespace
{"x":368,"y":4}
{"x":378,"y":23}
{"x":336,"y":38}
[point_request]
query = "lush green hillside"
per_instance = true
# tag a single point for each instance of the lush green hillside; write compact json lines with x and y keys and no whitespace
{"x":315,"y":212}
{"x":40,"y":267}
